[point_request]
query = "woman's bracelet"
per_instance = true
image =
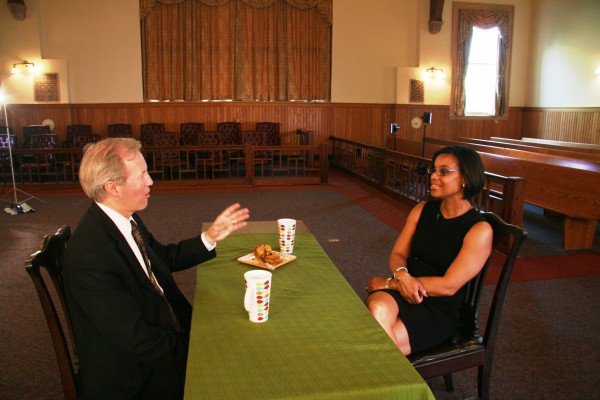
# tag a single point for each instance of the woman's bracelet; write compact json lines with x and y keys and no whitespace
{"x":396,"y":277}
{"x":387,"y":283}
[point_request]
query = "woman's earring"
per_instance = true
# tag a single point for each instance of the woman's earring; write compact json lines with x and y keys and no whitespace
{"x":463,"y":185}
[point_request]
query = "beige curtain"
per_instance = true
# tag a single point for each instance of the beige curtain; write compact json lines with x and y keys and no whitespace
{"x":265,"y":50}
{"x":484,"y":19}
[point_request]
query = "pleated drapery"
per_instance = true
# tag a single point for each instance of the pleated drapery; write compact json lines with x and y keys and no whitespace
{"x":263,"y":50}
{"x":484,"y":19}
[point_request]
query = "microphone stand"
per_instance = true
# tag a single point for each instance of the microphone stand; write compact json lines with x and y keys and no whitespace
{"x":16,"y":206}
{"x":424,"y":134}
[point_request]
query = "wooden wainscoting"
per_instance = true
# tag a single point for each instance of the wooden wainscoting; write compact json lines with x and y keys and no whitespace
{"x":580,"y":125}
{"x":363,"y":123}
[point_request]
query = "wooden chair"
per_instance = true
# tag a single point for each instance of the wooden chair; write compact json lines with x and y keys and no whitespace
{"x":147,"y":132}
{"x":40,"y":163}
{"x":30,"y":130}
{"x":271,"y":130}
{"x":50,"y":257}
{"x":168,"y":159}
{"x":212,"y":160}
{"x":231,"y":132}
{"x":5,"y":160}
{"x":189,"y":133}
{"x":467,"y":349}
{"x":80,"y":140}
{"x":260,"y":157}
{"x":119,"y":130}
{"x":76,"y":129}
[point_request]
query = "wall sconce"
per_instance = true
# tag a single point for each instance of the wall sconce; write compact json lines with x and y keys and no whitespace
{"x":18,"y":67}
{"x":437,"y":72}
{"x":597,"y":72}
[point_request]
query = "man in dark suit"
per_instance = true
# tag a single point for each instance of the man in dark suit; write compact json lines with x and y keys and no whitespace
{"x":131,"y":322}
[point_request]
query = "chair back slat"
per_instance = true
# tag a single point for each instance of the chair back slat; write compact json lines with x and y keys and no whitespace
{"x":50,"y":258}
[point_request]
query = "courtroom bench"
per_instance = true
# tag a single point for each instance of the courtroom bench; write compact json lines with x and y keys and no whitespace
{"x":594,"y":158}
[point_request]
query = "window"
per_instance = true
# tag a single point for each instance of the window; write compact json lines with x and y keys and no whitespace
{"x":482,"y":73}
{"x":481,"y":45}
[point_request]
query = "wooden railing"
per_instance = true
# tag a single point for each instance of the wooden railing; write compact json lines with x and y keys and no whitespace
{"x":215,"y":165}
{"x":404,"y":177}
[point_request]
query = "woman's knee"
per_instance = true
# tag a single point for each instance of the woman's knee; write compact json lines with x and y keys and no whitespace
{"x":381,"y":307}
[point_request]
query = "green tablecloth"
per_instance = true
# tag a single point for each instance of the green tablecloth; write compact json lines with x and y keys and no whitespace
{"x":320,"y":341}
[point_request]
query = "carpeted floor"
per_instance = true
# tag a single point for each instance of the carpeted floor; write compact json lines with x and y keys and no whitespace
{"x":548,"y":340}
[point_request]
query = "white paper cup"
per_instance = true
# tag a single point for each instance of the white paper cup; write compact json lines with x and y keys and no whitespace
{"x":286,"y":228}
{"x":257,"y":299}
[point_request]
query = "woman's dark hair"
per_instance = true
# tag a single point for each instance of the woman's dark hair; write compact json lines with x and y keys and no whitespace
{"x":470,"y":166}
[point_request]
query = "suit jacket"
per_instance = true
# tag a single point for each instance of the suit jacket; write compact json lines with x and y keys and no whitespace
{"x":126,"y":344}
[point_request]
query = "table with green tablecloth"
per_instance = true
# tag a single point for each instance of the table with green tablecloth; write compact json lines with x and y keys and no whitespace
{"x":320,"y":341}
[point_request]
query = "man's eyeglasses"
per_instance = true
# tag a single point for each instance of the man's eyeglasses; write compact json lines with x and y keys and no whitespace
{"x":441,"y":172}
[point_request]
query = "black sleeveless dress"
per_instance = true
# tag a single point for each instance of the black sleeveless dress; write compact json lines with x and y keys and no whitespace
{"x":435,"y":244}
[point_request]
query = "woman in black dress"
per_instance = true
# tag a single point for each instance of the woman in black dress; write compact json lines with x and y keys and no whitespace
{"x":443,"y":245}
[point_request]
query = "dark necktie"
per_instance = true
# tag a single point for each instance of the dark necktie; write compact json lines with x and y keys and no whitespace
{"x":137,"y":236}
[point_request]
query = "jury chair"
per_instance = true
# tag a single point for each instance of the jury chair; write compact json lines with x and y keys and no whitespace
{"x":231,"y":132}
{"x":29,"y":130}
{"x":271,"y":130}
{"x":189,"y":133}
{"x":41,"y":163}
{"x":50,"y":258}
{"x":467,"y":348}
{"x":76,"y":129}
{"x":260,"y":157}
{"x":80,"y":140}
{"x":213,"y":158}
{"x":5,"y":160}
{"x":119,"y":131}
{"x":166,"y":155}
{"x":147,"y":132}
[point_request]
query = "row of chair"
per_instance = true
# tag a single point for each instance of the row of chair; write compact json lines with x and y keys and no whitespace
{"x":189,"y":133}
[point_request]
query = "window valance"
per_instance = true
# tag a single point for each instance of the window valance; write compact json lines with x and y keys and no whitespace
{"x":325,"y":7}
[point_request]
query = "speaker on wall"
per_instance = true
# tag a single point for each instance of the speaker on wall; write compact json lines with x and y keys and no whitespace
{"x":426,"y":118}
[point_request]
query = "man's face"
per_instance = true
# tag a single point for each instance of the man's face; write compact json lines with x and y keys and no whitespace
{"x":135,"y":192}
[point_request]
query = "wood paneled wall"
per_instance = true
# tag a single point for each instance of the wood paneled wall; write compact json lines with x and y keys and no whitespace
{"x":569,"y":125}
{"x":364,"y":123}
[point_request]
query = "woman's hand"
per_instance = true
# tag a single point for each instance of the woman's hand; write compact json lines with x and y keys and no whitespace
{"x":411,"y":289}
{"x":376,"y":283}
{"x":231,"y":219}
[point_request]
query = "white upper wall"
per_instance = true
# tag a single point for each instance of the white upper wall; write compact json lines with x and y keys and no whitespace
{"x":378,"y":46}
{"x":369,"y":43}
{"x":565,"y":54}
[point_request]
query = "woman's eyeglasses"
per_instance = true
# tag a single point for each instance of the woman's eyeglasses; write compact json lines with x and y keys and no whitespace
{"x":441,"y":171}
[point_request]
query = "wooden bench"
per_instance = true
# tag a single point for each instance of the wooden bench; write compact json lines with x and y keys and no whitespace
{"x":532,"y":156}
{"x":589,"y":147}
{"x":531,"y":147}
{"x":555,"y":186}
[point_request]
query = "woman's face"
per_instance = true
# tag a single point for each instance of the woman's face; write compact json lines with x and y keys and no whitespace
{"x":450,"y":184}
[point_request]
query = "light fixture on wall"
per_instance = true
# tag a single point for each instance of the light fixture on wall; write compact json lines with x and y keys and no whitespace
{"x":597,"y":72}
{"x":437,"y":72}
{"x":23,"y":66}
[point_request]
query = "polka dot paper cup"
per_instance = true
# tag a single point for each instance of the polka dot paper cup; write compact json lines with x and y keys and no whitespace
{"x":286,"y":228}
{"x":257,"y":299}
